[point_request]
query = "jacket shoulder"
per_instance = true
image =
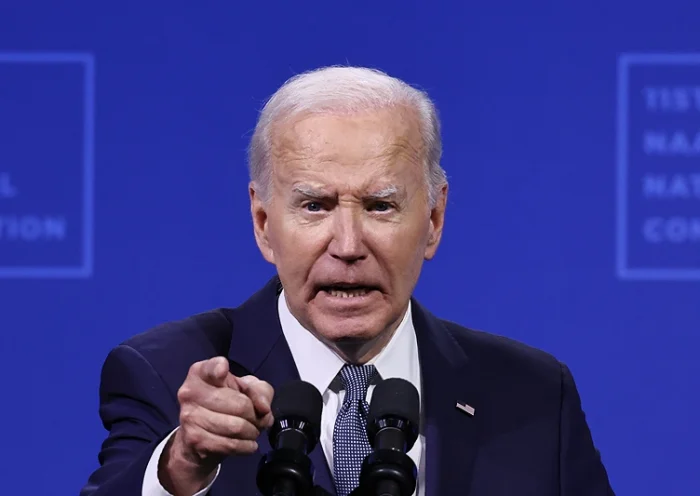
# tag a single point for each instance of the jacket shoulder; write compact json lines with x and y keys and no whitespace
{"x":172,"y":347}
{"x":501,"y":356}
{"x":206,"y":332}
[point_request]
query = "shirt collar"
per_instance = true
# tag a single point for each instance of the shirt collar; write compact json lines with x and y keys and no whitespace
{"x":319,"y":365}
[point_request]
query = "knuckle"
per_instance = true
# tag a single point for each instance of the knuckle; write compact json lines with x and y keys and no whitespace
{"x":236,"y":400}
{"x":184,"y":393}
{"x":219,"y":394}
{"x":188,"y":392}
{"x":217,"y":397}
{"x":237,"y":426}
{"x":233,"y":426}
{"x":244,"y":402}
{"x":193,"y":437}
{"x":243,"y":407}
{"x":186,"y":415}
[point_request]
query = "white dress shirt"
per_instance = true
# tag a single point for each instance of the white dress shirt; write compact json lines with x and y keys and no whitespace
{"x":319,"y":365}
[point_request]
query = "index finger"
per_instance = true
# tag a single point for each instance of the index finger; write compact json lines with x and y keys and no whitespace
{"x":215,"y":371}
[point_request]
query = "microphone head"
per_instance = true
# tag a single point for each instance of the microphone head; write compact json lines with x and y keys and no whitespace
{"x":395,"y":402}
{"x":297,"y":405}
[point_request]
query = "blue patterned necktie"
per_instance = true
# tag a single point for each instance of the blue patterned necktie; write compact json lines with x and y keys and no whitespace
{"x":350,"y":444}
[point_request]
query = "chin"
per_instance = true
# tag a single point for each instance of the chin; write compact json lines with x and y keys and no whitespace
{"x":349,"y":329}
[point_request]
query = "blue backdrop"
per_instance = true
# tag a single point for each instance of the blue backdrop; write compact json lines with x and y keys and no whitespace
{"x":573,"y":221}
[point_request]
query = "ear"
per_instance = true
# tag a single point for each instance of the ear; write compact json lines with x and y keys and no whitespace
{"x":260,"y":224}
{"x":437,"y":222}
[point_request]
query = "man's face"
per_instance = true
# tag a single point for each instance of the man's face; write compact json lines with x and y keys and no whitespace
{"x":348,"y":222}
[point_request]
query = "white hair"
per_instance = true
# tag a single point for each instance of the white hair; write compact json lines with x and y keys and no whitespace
{"x":345,"y":89}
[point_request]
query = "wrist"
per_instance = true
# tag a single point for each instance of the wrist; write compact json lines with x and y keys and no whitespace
{"x":180,"y":474}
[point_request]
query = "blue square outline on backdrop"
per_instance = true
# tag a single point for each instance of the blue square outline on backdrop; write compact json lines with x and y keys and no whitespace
{"x":624,"y":62}
{"x":87,"y":61}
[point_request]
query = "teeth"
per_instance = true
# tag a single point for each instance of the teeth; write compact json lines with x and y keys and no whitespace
{"x":347,"y":293}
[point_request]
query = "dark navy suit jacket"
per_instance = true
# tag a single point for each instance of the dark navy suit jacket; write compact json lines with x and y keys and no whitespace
{"x":528,"y":436}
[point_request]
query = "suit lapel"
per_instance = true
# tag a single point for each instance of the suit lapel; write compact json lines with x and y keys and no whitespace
{"x":450,"y":433}
{"x":258,"y":347}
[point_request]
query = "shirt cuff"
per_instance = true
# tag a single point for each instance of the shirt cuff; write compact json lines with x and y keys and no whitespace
{"x":151,"y":483}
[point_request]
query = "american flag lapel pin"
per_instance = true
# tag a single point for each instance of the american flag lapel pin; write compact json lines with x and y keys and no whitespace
{"x":469,"y":410}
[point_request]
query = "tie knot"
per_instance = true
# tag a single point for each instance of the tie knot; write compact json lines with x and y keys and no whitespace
{"x":356,"y":379}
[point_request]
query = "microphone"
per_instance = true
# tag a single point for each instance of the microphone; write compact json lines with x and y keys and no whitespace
{"x":392,"y":430}
{"x":287,"y":469}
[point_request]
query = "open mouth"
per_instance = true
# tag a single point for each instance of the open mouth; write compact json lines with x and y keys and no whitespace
{"x":347,"y":291}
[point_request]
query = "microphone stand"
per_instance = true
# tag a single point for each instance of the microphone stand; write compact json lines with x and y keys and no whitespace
{"x":387,"y":472}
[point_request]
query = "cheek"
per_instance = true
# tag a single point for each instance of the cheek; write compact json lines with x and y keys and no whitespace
{"x":296,"y":246}
{"x":401,"y":249}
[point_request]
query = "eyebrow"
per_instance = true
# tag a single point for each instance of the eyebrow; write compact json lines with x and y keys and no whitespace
{"x":310,"y":192}
{"x":384,"y":193}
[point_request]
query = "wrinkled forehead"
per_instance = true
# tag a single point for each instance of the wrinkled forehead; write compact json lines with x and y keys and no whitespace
{"x":380,"y":139}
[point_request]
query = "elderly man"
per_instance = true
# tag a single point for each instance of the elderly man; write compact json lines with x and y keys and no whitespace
{"x":348,"y":199}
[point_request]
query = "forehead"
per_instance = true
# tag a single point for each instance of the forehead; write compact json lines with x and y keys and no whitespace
{"x":385,"y":142}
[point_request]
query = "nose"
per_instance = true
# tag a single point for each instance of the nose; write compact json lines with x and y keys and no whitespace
{"x":347,"y":243}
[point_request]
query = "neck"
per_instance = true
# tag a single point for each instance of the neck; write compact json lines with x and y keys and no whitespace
{"x":359,"y":352}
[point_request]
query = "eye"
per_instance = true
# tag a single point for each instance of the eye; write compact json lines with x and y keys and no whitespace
{"x":313,"y":206}
{"x":380,"y":206}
